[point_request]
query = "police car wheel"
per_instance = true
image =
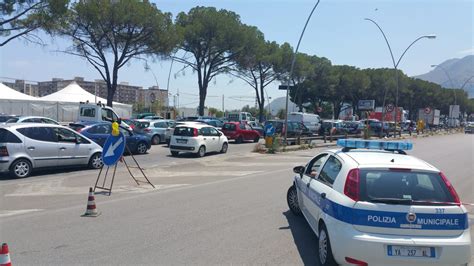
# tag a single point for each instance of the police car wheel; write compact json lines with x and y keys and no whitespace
{"x":324,"y":248}
{"x":292,"y":200}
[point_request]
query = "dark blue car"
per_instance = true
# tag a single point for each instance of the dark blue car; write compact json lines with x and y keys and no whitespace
{"x":99,"y":132}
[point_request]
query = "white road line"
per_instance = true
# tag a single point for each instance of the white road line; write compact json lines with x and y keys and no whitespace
{"x":55,"y":188}
{"x":6,"y":213}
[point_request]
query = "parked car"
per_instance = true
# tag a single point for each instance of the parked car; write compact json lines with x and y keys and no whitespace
{"x":198,"y":139}
{"x":240,"y":132}
{"x":32,"y":119}
{"x":375,"y":126}
{"x":352,"y":127}
{"x":157,"y":130}
{"x":311,"y":121}
{"x":212,"y":122}
{"x":142,"y":115}
{"x":334,"y":127}
{"x":295,"y":129}
{"x":369,"y":203}
{"x":153,"y":117}
{"x":5,"y":117}
{"x":256,"y":126}
{"x":99,"y":132}
{"x":469,"y":128}
{"x":25,"y":147}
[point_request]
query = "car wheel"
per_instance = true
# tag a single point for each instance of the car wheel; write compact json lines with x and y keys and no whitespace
{"x":224,"y":147}
{"x":292,"y":200}
{"x":155,"y":140}
{"x":21,"y":168}
{"x":325,"y":256}
{"x":257,"y":138}
{"x":95,"y":162}
{"x":174,"y":153}
{"x":201,"y":152}
{"x":141,"y":148}
{"x":239,"y":140}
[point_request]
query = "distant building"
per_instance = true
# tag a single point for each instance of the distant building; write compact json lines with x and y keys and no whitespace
{"x":125,"y":93}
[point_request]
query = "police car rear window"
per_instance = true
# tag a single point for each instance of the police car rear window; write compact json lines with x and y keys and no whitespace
{"x":409,"y":187}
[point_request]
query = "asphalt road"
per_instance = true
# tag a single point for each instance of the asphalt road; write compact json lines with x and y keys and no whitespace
{"x":220,"y":209}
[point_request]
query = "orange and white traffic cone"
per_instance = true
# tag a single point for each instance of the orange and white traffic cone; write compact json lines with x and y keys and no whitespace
{"x":91,"y":210}
{"x":5,"y":256}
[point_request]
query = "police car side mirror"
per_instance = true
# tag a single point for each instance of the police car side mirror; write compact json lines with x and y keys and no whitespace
{"x":299,"y":170}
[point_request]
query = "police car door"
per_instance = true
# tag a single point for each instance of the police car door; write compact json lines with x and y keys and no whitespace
{"x":305,"y":197}
{"x":320,"y":189}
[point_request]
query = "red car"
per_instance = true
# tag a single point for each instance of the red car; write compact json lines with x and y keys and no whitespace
{"x":240,"y":132}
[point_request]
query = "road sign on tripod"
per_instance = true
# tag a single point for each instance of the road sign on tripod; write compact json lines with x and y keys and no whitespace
{"x":113,"y":149}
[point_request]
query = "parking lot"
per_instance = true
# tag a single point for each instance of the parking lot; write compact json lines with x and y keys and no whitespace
{"x":217,"y":209}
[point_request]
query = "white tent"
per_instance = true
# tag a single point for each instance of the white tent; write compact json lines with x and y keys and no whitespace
{"x":73,"y":93}
{"x":62,"y":106}
{"x":17,"y":103}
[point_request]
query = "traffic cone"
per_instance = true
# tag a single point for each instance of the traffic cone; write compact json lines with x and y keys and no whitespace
{"x":5,"y":256}
{"x":91,"y":210}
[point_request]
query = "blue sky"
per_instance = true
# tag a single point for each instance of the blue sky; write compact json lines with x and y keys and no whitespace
{"x":337,"y":31}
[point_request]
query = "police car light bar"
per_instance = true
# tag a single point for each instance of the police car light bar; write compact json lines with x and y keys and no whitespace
{"x":374,"y":144}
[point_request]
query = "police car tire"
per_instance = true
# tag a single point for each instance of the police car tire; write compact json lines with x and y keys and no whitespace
{"x":329,"y":261}
{"x":290,"y":199}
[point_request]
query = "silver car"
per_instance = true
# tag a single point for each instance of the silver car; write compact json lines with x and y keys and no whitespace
{"x":27,"y":146}
{"x":32,"y":119}
{"x":158,"y":130}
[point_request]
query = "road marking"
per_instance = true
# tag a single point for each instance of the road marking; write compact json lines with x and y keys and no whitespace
{"x":6,"y":213}
{"x":56,"y":188}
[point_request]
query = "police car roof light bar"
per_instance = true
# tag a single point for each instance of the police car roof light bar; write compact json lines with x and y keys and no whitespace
{"x":348,"y":144}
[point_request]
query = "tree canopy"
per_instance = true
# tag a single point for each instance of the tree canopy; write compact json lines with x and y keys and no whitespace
{"x":20,"y":18}
{"x":108,"y":34}
{"x":214,"y":38}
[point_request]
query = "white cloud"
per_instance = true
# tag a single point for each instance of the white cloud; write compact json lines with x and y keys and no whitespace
{"x":467,"y":51}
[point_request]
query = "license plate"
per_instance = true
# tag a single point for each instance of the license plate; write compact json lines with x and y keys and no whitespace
{"x":182,"y":141}
{"x":407,"y":251}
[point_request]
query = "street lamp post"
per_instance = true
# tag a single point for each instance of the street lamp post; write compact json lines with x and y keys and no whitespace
{"x":395,"y":66}
{"x":291,"y":70}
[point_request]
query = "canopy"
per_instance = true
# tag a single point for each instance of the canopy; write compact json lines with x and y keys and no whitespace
{"x":73,"y":93}
{"x":11,"y":94}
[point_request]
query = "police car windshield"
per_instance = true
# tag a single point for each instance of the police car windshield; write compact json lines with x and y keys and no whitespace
{"x":404,"y":187}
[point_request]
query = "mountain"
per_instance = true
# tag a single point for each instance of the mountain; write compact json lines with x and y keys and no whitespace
{"x":280,"y":103}
{"x":459,"y":69}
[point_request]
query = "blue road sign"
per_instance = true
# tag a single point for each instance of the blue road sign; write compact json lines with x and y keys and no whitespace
{"x":113,"y":149}
{"x":269,"y":130}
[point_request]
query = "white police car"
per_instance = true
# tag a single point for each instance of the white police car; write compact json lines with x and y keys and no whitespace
{"x":371,"y":204}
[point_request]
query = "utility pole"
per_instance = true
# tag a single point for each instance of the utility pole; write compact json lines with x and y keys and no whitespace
{"x":223,"y":110}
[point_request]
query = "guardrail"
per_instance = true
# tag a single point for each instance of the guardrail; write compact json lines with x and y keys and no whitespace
{"x":325,"y":138}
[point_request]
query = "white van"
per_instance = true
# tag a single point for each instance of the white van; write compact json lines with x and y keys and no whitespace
{"x":98,"y":112}
{"x":240,"y":117}
{"x":311,"y":121}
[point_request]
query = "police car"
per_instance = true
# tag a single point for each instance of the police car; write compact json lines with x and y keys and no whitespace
{"x":370,"y":203}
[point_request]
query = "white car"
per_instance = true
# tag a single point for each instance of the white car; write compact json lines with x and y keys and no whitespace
{"x":197,"y":138}
{"x":371,"y":204}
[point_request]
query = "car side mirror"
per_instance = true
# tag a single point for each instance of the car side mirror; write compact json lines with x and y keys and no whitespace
{"x":299,"y":170}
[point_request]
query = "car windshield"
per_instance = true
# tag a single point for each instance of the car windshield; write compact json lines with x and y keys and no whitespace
{"x":403,"y":186}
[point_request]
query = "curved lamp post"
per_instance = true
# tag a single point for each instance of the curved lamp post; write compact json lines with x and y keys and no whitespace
{"x":395,"y":66}
{"x":291,"y":70}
